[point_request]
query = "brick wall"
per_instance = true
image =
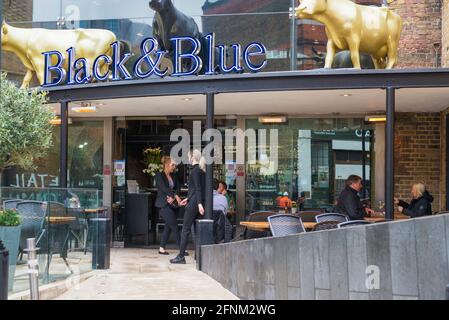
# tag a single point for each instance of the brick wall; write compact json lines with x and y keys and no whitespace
{"x":418,"y":136}
{"x":445,"y":34}
{"x":15,"y":11}
{"x":421,"y":30}
{"x":417,"y":153}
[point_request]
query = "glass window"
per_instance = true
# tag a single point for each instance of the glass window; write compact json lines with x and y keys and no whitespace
{"x":315,"y":156}
{"x":107,"y":9}
{"x":85,"y":161}
{"x":141,"y":134}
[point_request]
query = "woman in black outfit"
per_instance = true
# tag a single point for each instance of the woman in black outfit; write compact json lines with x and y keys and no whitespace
{"x":421,"y":205}
{"x":194,"y":202}
{"x":167,"y":195}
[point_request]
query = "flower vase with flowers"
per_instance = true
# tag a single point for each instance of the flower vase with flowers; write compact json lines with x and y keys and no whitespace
{"x":152,"y":160}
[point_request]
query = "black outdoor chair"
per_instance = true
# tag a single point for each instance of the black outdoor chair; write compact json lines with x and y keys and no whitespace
{"x":50,"y":239}
{"x":32,"y":214}
{"x":331,"y":217}
{"x":282,"y":225}
{"x":328,"y":208}
{"x":77,"y":228}
{"x":353,"y":223}
{"x":11,"y":204}
{"x":222,"y":227}
{"x":326,"y":225}
{"x":309,"y":215}
{"x":261,"y":216}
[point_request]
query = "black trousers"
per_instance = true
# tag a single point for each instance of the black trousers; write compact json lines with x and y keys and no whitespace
{"x":190,"y":215}
{"x":171,"y":225}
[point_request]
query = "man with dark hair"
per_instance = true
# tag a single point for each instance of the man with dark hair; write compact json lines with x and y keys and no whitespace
{"x":349,"y":202}
{"x":219,"y":200}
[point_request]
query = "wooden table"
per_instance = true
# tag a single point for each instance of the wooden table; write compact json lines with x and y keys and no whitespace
{"x":264,"y":226}
{"x":60,"y":220}
{"x":378,"y":217}
{"x":94,"y":211}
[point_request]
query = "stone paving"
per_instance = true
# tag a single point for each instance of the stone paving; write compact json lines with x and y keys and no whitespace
{"x":143,"y":274}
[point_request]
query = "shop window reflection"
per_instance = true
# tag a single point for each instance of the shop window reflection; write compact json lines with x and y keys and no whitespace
{"x":85,"y":161}
{"x":315,"y":158}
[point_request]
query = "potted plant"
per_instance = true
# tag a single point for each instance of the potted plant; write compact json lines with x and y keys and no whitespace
{"x":10,"y":236}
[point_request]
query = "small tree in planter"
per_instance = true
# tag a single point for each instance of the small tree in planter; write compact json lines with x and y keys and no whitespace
{"x":25,"y":129}
{"x":10,"y":236}
{"x":25,"y":136}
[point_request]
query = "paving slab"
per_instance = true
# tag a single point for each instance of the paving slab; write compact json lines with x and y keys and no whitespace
{"x":143,"y":274}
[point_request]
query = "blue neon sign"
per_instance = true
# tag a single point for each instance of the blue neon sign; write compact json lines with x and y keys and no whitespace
{"x":80,"y":72}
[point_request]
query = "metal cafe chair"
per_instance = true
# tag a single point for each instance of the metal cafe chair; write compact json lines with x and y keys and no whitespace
{"x":326,"y":225}
{"x":285,"y":224}
{"x":261,"y":216}
{"x":222,"y":228}
{"x":353,"y":223}
{"x":309,"y":215}
{"x":11,"y":204}
{"x":50,"y":239}
{"x":331,"y":217}
{"x":32,"y":214}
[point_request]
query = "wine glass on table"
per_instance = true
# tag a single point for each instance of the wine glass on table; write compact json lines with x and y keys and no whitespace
{"x":381,"y":205}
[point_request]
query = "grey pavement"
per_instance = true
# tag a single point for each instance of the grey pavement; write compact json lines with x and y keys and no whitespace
{"x":143,"y":274}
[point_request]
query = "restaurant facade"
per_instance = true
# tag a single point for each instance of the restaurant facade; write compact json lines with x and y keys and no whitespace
{"x":388,"y":126}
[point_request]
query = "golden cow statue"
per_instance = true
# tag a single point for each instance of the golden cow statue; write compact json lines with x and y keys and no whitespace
{"x":357,"y":28}
{"x":29,"y":44}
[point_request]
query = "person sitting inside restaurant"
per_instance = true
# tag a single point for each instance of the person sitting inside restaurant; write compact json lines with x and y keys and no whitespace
{"x":301,"y":201}
{"x":285,"y":202}
{"x":421,"y":204}
{"x":223,"y":189}
{"x":349,"y":202}
{"x":222,"y":226}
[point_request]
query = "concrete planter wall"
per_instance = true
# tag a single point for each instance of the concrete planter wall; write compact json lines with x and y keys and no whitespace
{"x":398,"y":260}
{"x":10,"y":237}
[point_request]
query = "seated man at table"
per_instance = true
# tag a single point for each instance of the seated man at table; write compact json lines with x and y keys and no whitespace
{"x":349,"y":202}
{"x":222,"y":226}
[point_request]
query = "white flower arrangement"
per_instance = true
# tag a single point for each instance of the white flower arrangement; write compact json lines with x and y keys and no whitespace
{"x":152,"y":161}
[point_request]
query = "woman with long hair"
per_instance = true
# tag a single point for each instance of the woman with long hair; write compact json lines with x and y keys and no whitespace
{"x":194,"y":202}
{"x":168,"y":189}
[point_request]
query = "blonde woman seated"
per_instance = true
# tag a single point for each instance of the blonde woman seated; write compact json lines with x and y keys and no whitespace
{"x":421,"y":205}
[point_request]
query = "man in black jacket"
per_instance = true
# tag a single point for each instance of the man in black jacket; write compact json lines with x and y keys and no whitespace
{"x":349,"y":202}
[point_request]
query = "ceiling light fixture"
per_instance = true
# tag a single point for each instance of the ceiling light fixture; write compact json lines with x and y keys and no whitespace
{"x":57,"y":121}
{"x":376,"y":119}
{"x":84,"y":109}
{"x":272,"y":119}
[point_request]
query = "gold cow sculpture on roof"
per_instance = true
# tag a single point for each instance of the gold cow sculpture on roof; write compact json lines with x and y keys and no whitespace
{"x":29,"y":44}
{"x":357,"y":28}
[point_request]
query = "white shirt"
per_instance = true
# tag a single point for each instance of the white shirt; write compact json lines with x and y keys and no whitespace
{"x":220,"y":202}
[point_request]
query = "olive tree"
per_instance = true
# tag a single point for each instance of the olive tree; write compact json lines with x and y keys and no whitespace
{"x":25,"y":128}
